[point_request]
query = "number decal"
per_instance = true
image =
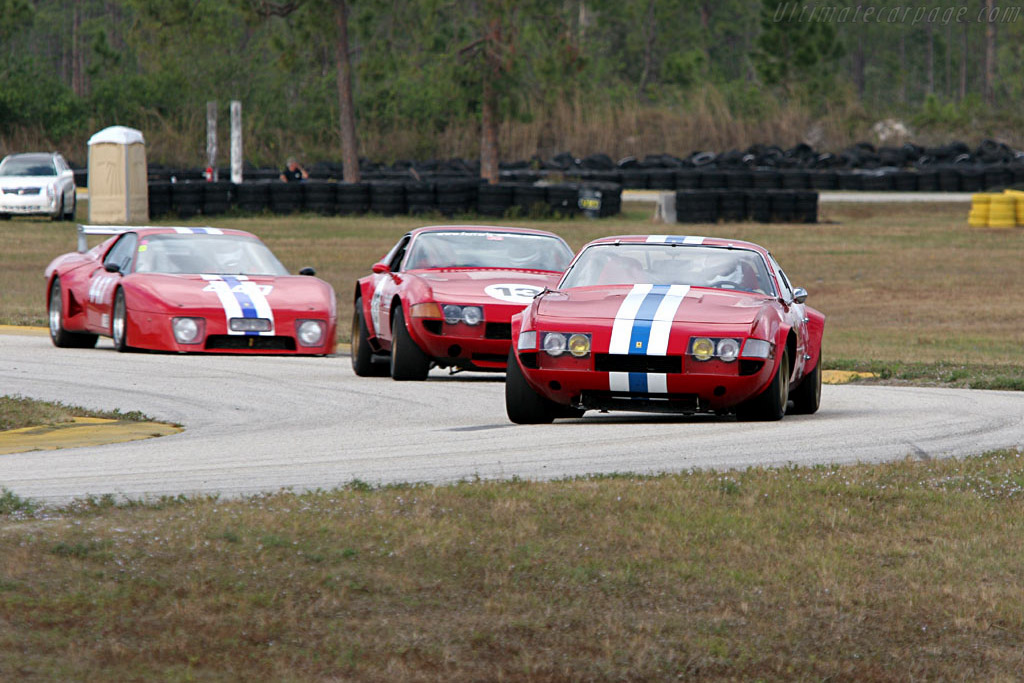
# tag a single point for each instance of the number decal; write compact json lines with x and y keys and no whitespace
{"x":515,"y":293}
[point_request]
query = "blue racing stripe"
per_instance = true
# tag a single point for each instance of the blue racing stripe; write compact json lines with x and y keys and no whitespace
{"x":641,"y":333}
{"x":248,"y":308}
{"x":638,"y":382}
{"x":675,"y":239}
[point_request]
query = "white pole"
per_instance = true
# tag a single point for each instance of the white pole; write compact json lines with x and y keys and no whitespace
{"x":211,"y":139}
{"x":236,"y":141}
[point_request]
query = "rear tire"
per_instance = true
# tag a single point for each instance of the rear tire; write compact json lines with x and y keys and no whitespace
{"x":119,"y":322}
{"x":523,"y":404}
{"x":59,"y":216}
{"x":408,"y":362}
{"x":807,"y":396}
{"x":770,"y":404}
{"x":70,"y":215}
{"x":362,"y":354}
{"x":60,"y":337}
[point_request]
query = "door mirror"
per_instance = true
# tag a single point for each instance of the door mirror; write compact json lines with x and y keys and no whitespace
{"x":800,"y":295}
{"x":381,"y":268}
{"x":308,"y":270}
{"x":112,"y":267}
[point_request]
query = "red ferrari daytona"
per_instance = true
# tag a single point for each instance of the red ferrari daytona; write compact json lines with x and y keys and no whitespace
{"x":665,"y":323}
{"x":188,"y":290}
{"x":444,"y":296}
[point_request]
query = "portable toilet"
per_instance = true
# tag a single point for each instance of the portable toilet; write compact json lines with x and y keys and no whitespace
{"x":118,"y":177}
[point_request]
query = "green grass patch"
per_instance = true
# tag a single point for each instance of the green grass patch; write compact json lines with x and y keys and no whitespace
{"x":17,"y":412}
{"x":881,"y":572}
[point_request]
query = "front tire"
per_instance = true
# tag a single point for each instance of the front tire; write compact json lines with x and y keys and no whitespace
{"x":408,"y":362}
{"x":523,"y":404}
{"x":770,"y":404}
{"x":60,"y":337}
{"x":70,"y":214}
{"x":362,"y":354}
{"x":807,"y":396}
{"x":119,"y":322}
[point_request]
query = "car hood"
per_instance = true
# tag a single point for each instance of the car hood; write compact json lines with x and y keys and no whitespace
{"x":699,"y":305}
{"x":487,"y":286}
{"x":222,"y":293}
{"x":27,"y":180}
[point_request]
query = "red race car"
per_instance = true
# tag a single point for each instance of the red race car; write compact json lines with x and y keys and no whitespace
{"x":186,"y":290}
{"x":444,"y":296}
{"x":668,"y":324}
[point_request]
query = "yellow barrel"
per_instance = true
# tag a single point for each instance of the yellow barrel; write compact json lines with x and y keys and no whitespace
{"x":1018,"y":197}
{"x":1002,"y":211}
{"x":978,"y":217}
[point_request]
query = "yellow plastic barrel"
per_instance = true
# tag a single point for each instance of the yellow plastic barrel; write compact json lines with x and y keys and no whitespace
{"x":1018,"y":197}
{"x":1002,"y":211}
{"x":978,"y":217}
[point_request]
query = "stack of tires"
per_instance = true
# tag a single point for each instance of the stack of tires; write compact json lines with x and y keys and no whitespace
{"x":457,"y":196}
{"x":696,"y":206}
{"x":762,"y":206}
{"x":319,"y":196}
{"x":494,"y":200}
{"x":564,"y":199}
{"x":352,"y":199}
{"x":529,"y":199}
{"x":187,"y":199}
{"x":285,"y":198}
{"x":387,"y":198}
{"x":419,"y":197}
{"x":252,"y":197}
{"x":217,"y":198}
{"x":159,"y":198}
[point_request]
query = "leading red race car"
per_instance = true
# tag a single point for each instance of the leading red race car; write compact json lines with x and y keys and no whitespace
{"x":188,"y":290}
{"x":444,"y":296}
{"x":667,"y":323}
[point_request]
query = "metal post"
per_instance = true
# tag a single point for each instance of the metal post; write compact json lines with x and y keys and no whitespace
{"x":236,"y":141}
{"x":211,"y":139}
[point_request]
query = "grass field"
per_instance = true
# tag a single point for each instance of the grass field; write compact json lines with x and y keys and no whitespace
{"x":902,"y":571}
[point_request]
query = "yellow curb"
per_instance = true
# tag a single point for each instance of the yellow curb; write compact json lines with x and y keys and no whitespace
{"x":842,"y":376}
{"x":25,"y":330}
{"x":83,"y":431}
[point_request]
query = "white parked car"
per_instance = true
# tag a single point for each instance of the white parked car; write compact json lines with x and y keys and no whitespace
{"x":37,"y":184}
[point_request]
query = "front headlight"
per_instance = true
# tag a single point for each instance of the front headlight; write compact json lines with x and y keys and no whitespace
{"x":579,"y":345}
{"x":310,"y":332}
{"x":187,"y":330}
{"x":702,"y":348}
{"x":471,"y":315}
{"x":51,"y":191}
{"x":728,"y":349}
{"x":452,"y":314}
{"x":554,"y":343}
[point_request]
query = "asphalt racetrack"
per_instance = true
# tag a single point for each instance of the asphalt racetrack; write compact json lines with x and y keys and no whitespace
{"x":261,"y":424}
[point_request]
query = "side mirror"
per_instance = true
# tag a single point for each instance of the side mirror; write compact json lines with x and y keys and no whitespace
{"x":800,"y":295}
{"x":308,"y":270}
{"x":111,"y":267}
{"x":381,"y":268}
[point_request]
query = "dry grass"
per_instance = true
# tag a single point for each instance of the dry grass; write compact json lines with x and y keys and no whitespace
{"x":908,"y":571}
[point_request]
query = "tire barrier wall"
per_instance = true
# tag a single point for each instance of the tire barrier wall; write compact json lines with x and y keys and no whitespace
{"x":761,"y":206}
{"x":388,"y":198}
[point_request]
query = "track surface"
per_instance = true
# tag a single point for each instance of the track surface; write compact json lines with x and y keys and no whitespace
{"x":257,"y":424}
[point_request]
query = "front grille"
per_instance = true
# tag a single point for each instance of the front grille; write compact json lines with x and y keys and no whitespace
{"x":24,"y":191}
{"x":643,"y":402}
{"x":608,"y":362}
{"x":229,"y":342}
{"x":498,"y":331}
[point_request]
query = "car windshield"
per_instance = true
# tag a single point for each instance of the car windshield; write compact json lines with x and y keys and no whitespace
{"x":213,"y":254}
{"x":662,"y":264}
{"x":28,"y":166}
{"x":476,"y":249}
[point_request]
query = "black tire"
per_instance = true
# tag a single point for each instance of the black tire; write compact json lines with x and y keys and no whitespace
{"x":523,"y":405}
{"x":362,"y":354}
{"x":770,"y":404}
{"x":70,"y":215}
{"x":408,"y":362}
{"x":59,"y":216}
{"x":119,"y":322}
{"x":807,"y":397}
{"x":60,"y":337}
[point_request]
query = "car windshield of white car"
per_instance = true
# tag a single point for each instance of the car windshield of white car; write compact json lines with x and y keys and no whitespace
{"x":17,"y":166}
{"x":660,"y":264}
{"x":467,"y":249}
{"x":206,"y":254}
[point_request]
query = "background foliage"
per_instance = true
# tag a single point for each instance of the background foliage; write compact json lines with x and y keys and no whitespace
{"x":614,"y":76}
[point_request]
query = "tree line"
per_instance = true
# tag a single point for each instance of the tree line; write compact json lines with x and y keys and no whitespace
{"x":500,"y":79}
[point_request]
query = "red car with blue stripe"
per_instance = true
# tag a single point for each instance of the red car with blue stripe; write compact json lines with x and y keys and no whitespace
{"x":667,"y":323}
{"x":186,"y":289}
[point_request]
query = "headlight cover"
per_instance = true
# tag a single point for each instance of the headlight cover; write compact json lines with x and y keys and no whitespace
{"x":250,"y":324}
{"x":725,"y":349}
{"x":310,"y":332}
{"x":188,"y":330}
{"x":577,"y":344}
{"x":470,"y":315}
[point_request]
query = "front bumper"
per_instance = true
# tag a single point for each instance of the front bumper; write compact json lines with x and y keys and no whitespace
{"x":475,"y":347}
{"x":677,"y":384}
{"x":152,"y":331}
{"x":28,"y":204}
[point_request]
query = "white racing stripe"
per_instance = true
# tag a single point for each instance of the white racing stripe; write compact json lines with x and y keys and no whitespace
{"x":622,"y":328}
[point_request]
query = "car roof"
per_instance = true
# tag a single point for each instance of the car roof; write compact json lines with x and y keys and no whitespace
{"x":481,"y":228}
{"x":680,"y":240}
{"x":40,"y":156}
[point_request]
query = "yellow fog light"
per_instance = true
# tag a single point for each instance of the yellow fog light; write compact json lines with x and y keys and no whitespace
{"x":579,"y":345}
{"x":702,"y":348}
